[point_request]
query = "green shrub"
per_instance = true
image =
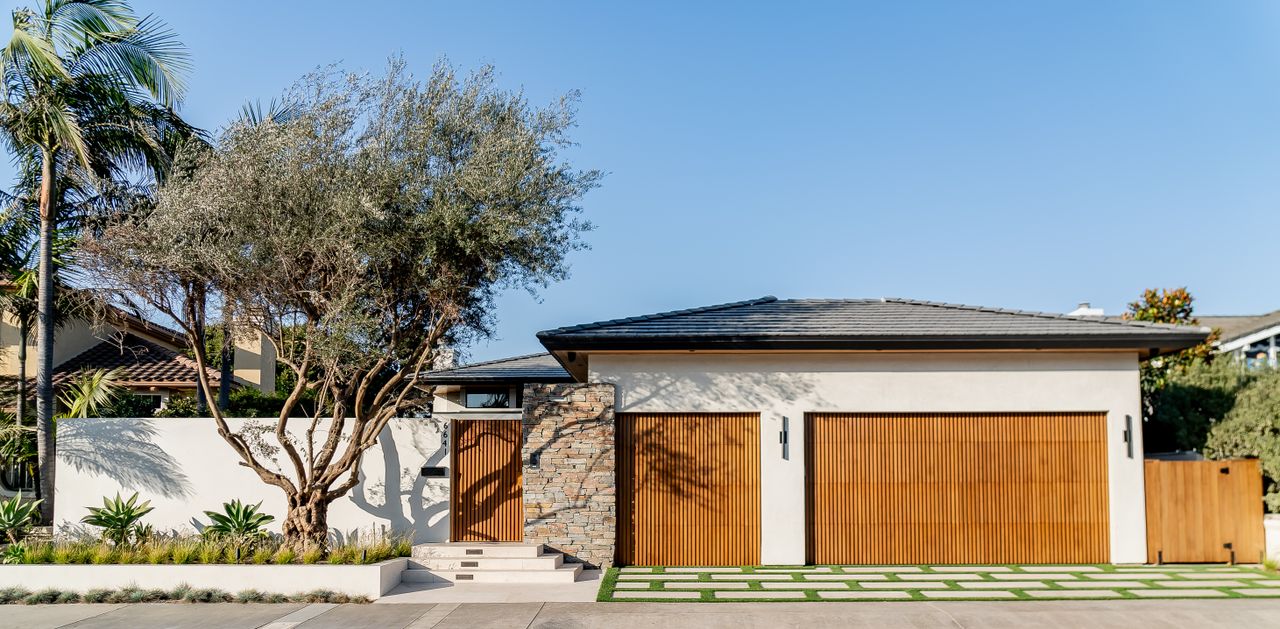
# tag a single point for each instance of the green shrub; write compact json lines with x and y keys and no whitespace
{"x":176,"y":406}
{"x":17,"y":516}
{"x":120,"y":520}
{"x":1194,"y":398}
{"x":130,"y":405}
{"x":1251,"y":428}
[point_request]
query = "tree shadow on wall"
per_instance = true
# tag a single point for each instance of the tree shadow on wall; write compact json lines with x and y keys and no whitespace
{"x":426,"y":510}
{"x":123,"y":450}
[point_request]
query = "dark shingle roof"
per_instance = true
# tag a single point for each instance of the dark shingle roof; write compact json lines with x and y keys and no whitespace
{"x":1236,"y":326}
{"x":770,"y":323}
{"x":140,"y":362}
{"x":529,"y":368}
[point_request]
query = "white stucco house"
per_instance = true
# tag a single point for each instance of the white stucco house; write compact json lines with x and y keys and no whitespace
{"x":767,"y":431}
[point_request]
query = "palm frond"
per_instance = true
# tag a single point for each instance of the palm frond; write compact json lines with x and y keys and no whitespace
{"x":70,"y":22}
{"x":277,"y":112}
{"x":27,"y":49}
{"x":90,"y":392}
{"x":147,"y":56}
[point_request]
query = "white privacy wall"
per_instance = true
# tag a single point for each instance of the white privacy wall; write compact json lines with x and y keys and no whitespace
{"x":789,"y":385}
{"x":184,"y":468}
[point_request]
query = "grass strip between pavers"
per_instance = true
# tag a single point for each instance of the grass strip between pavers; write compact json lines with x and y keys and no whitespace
{"x":797,"y":574}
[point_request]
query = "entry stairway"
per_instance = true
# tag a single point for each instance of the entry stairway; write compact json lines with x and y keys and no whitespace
{"x":488,"y":562}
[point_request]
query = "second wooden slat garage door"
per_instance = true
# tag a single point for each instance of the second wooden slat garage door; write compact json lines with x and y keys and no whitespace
{"x":689,"y":489}
{"x":951,"y":488}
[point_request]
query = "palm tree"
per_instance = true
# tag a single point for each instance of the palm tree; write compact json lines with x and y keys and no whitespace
{"x":89,"y":91}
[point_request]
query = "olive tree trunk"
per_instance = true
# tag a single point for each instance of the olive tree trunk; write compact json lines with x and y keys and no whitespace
{"x":307,"y":522}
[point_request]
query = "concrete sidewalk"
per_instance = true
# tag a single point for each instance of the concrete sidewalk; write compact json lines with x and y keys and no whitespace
{"x":1127,"y":614}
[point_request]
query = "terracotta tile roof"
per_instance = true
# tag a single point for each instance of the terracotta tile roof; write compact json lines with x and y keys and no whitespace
{"x":140,"y":362}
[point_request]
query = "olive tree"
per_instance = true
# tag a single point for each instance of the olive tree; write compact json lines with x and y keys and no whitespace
{"x":362,"y":233}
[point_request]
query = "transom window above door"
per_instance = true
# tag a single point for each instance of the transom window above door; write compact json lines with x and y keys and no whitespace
{"x":487,"y":397}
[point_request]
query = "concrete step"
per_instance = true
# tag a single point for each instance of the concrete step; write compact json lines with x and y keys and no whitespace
{"x":546,"y":561}
{"x":567,"y":573}
{"x":473,"y":550}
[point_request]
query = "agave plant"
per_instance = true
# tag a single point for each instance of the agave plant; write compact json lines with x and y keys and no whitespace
{"x":17,"y":517}
{"x":239,"y":520}
{"x":120,"y":519}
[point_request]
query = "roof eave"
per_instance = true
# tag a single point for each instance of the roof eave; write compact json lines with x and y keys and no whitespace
{"x":496,"y":379}
{"x":1165,"y":342}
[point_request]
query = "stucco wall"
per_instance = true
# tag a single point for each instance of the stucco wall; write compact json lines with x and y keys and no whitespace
{"x":788,"y":385}
{"x":185,"y":468}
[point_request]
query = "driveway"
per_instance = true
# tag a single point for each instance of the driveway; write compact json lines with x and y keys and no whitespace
{"x":1119,"y":614}
{"x":923,"y":583}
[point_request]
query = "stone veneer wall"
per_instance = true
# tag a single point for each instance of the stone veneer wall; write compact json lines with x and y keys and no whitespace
{"x":570,"y":498}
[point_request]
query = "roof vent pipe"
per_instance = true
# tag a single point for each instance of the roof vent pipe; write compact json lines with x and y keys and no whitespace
{"x":1085,"y":310}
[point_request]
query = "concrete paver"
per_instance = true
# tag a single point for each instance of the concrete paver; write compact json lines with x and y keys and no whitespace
{"x":1178,"y":593}
{"x":904,"y":585}
{"x":1112,"y":576}
{"x":1210,"y":583}
{"x":657,"y":594}
{"x":1101,"y":584}
{"x":741,"y":595}
{"x":854,"y":577}
{"x":861,"y":594}
{"x":1003,"y":585}
{"x":1259,"y":591}
{"x":804,"y":585}
{"x":1074,"y":594}
{"x":968,"y":594}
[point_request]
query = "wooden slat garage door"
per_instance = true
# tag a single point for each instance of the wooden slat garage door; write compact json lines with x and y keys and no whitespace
{"x":956,"y":488}
{"x":488,"y":501}
{"x":689,"y":489}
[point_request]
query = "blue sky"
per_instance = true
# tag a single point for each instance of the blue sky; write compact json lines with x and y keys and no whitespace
{"x":1015,"y":154}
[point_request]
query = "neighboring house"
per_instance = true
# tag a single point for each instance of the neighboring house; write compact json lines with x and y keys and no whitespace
{"x":149,"y":357}
{"x":1251,"y":338}
{"x":862,"y":431}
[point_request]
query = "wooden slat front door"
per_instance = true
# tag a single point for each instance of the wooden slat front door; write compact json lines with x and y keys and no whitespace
{"x":488,"y":502}
{"x":689,"y":489}
{"x":1195,"y":509}
{"x":953,"y":488}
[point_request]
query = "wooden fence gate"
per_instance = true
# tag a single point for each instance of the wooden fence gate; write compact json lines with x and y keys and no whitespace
{"x":1204,"y":511}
